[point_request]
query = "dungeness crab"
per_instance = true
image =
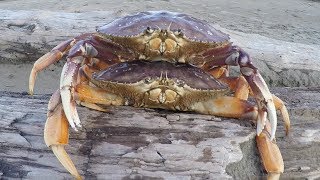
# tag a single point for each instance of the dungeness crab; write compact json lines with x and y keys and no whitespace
{"x":163,"y":60}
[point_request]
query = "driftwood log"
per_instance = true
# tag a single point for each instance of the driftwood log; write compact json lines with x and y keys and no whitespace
{"x":133,"y":143}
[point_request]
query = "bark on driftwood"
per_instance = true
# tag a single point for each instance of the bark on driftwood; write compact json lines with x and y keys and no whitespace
{"x":26,"y":35}
{"x":133,"y":143}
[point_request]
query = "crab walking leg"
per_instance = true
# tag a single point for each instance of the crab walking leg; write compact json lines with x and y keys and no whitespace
{"x":56,"y":134}
{"x":51,"y":57}
{"x":67,"y":84}
{"x":237,"y":108}
{"x":90,"y":96}
{"x":93,"y":95}
{"x":242,"y":90}
{"x":226,"y":107}
{"x":284,"y":112}
{"x":239,"y":85}
{"x":219,"y":72}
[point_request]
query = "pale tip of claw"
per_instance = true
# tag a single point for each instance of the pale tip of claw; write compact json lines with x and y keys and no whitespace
{"x":76,"y":116}
{"x":272,"y":119}
{"x":259,"y":130}
{"x":65,"y":160}
{"x":272,"y":134}
{"x":260,"y":125}
{"x":30,"y":89}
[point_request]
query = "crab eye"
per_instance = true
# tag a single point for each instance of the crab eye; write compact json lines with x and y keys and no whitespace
{"x":148,"y":80}
{"x":180,"y":83}
{"x":149,"y":30}
{"x":178,"y":32}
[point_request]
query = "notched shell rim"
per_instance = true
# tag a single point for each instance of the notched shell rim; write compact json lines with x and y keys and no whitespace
{"x":136,"y":25}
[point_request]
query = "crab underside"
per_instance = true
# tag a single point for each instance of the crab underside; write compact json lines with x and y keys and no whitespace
{"x":163,"y":60}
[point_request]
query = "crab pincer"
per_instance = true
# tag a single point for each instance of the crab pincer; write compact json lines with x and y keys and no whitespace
{"x":67,"y":82}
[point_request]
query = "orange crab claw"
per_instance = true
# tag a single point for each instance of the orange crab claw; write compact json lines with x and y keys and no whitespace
{"x":56,"y":133}
{"x":269,"y":152}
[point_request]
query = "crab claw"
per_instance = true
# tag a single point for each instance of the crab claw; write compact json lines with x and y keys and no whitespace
{"x":67,"y":82}
{"x":56,"y":134}
{"x":266,"y":105}
{"x":65,"y":160}
{"x":272,"y":116}
{"x":262,"y":118}
{"x":261,"y":93}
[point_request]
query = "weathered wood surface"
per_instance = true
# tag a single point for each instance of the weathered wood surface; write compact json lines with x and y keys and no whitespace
{"x":132,"y":143}
{"x":26,"y":35}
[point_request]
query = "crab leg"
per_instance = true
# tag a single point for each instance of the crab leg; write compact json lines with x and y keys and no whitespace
{"x":266,"y":107}
{"x":68,"y":81}
{"x":89,"y":96}
{"x":51,"y":57}
{"x":260,"y":90}
{"x":269,"y":152}
{"x":239,"y":85}
{"x":67,"y":84}
{"x":284,"y":112}
{"x":226,"y":107}
{"x":242,"y":90}
{"x":56,"y":133}
{"x":236,"y":108}
{"x":56,"y":128}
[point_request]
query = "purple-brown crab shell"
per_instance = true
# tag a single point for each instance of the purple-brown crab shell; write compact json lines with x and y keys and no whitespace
{"x":192,"y":28}
{"x":136,"y":71}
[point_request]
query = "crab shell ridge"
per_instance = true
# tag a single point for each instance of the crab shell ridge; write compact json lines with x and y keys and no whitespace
{"x":192,"y":28}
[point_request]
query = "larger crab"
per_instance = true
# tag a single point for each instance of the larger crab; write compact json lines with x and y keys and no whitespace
{"x":159,"y":60}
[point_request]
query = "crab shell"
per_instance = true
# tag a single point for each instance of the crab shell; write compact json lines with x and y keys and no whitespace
{"x":159,"y":84}
{"x":170,"y":36}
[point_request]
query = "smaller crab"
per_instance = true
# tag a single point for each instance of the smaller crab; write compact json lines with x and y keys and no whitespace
{"x":163,"y":60}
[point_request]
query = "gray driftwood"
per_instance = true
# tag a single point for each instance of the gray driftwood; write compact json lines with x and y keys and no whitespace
{"x":27,"y":35}
{"x":133,"y":143}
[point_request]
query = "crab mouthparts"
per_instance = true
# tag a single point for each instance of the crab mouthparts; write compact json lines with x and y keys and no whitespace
{"x":163,"y":44}
{"x":162,"y":95}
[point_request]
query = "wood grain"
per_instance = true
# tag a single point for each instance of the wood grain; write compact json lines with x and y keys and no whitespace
{"x":130,"y":143}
